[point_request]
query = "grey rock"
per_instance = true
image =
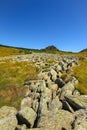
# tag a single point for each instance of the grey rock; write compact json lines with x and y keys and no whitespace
{"x":56,"y":121}
{"x":27,"y":116}
{"x":43,"y":108}
{"x":67,"y":90}
{"x":81,"y":126}
{"x":81,"y":120}
{"x":8,"y":123}
{"x":47,"y":94}
{"x":7,"y":111}
{"x":53,"y":87}
{"x":35,"y":105}
{"x":59,"y":68}
{"x":26,"y":102}
{"x":55,"y":104}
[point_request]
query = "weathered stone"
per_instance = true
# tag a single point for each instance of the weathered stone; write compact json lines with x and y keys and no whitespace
{"x":35,"y":105}
{"x":26,"y":102}
{"x":43,"y":108}
{"x":56,"y":121}
{"x":6,"y":111}
{"x":77,"y":102}
{"x":68,"y":89}
{"x":81,"y":126}
{"x":53,"y":72}
{"x":46,"y":77}
{"x":55,"y":105}
{"x":8,"y":123}
{"x":54,"y":88}
{"x":81,"y":120}
{"x":27,"y":116}
{"x":59,"y":68}
{"x":47,"y":94}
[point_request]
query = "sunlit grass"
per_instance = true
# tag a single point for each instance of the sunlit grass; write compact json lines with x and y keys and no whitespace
{"x":82,"y":55}
{"x":12,"y":77}
{"x":8,"y":51}
{"x":81,"y":74}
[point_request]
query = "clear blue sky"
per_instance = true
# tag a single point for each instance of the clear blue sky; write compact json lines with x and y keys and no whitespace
{"x":39,"y":23}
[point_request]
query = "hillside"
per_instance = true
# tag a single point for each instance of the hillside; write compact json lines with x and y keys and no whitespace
{"x":9,"y":50}
{"x":84,"y":50}
{"x":51,"y":48}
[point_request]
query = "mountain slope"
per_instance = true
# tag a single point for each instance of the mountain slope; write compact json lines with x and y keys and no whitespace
{"x":84,"y":50}
{"x":8,"y":50}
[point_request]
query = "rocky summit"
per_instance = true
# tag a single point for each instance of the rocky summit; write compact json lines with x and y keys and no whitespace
{"x":51,"y":102}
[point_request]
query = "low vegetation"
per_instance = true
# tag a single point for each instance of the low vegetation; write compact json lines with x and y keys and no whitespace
{"x":12,"y":77}
{"x":82,"y":55}
{"x":80,"y":72}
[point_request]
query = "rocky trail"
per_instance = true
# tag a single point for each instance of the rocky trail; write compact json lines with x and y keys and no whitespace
{"x":51,"y":102}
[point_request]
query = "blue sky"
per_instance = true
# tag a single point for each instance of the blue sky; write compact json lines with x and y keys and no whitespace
{"x":40,"y":23}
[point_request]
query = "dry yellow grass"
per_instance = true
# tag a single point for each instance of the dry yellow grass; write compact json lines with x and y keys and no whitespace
{"x":12,"y":77}
{"x":5,"y":51}
{"x":82,"y":55}
{"x":81,"y":74}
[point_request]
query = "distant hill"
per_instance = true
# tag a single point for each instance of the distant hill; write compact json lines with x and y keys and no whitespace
{"x":53,"y":48}
{"x":84,"y":50}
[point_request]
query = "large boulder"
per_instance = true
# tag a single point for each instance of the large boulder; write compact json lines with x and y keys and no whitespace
{"x":54,"y":74}
{"x":8,"y":123}
{"x":43,"y":108}
{"x":68,"y":89}
{"x":61,"y":120}
{"x":27,"y":116}
{"x":54,"y":88}
{"x":47,"y":94}
{"x":8,"y":119}
{"x":6,"y":111}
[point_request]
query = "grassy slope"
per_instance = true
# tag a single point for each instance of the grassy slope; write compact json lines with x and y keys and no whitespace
{"x":7,"y":51}
{"x":81,"y":73}
{"x":12,"y":77}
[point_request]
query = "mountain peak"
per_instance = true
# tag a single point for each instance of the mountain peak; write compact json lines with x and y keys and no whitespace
{"x":52,"y":47}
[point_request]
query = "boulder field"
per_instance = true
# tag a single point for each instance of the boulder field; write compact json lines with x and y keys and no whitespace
{"x":51,"y":102}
